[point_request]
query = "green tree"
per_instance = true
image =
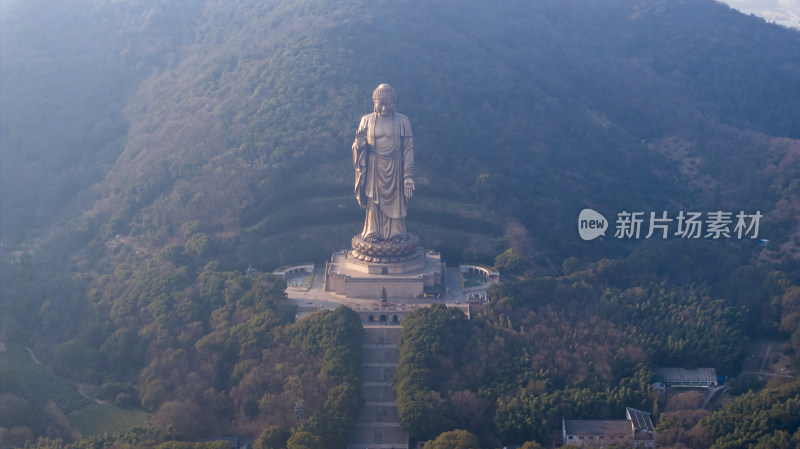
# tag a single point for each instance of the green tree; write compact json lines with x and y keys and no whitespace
{"x":172,"y":253}
{"x":510,"y":262}
{"x":198,"y":243}
{"x":272,"y":438}
{"x":304,"y":440}
{"x":423,"y":413}
{"x":454,"y":439}
{"x":532,"y":445}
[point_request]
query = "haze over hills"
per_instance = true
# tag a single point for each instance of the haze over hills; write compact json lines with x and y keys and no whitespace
{"x":230,"y":108}
{"x":153,"y":150}
{"x":781,"y":12}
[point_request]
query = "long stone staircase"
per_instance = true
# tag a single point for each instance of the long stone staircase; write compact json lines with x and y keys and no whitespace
{"x":377,"y":425}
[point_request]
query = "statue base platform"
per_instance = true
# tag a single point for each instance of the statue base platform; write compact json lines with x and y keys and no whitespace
{"x":406,"y":271}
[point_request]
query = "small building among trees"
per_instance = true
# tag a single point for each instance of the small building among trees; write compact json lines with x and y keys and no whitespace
{"x":634,"y":431}
{"x":699,"y":378}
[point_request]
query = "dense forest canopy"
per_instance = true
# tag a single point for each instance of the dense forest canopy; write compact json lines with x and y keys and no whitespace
{"x":153,"y":150}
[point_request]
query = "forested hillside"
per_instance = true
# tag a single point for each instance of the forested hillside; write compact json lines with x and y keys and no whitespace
{"x":153,"y":150}
{"x":240,"y":116}
{"x":585,"y":346}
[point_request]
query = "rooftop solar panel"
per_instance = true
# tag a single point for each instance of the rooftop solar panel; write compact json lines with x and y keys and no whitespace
{"x":641,"y":420}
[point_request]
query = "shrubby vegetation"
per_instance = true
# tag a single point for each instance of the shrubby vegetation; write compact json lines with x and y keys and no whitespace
{"x":210,"y":353}
{"x":770,"y":418}
{"x":763,"y":419}
{"x":581,"y":346}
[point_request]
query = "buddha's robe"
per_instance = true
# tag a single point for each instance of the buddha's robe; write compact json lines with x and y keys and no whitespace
{"x":382,"y":167}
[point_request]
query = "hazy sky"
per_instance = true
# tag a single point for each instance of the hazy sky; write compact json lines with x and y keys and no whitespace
{"x":784,"y":12}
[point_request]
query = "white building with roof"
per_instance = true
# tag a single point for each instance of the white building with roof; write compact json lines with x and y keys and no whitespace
{"x":634,"y":431}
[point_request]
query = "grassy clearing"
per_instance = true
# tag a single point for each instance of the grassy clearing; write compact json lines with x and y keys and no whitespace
{"x":97,"y":419}
{"x":41,"y":386}
{"x":323,"y":195}
{"x":299,"y":213}
{"x":321,"y":216}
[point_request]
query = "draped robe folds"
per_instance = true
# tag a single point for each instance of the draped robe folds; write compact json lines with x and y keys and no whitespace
{"x":381,"y":170}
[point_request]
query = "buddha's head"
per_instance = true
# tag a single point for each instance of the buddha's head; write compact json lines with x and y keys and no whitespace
{"x":384,"y":98}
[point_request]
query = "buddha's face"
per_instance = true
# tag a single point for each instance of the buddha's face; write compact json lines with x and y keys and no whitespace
{"x":384,"y":108}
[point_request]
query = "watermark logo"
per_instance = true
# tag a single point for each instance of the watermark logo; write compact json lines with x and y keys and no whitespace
{"x":685,"y":225}
{"x":591,"y":224}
